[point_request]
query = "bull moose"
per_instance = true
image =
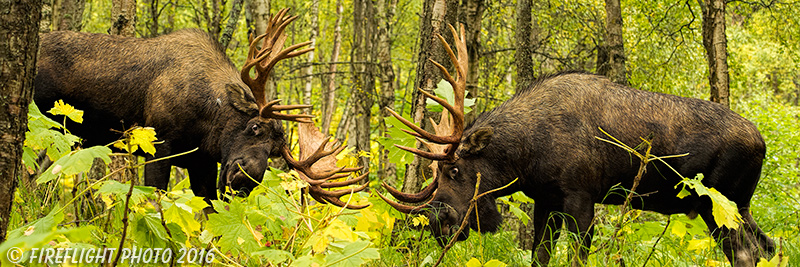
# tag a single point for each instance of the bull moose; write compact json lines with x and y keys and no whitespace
{"x":184,"y":86}
{"x":545,"y":136}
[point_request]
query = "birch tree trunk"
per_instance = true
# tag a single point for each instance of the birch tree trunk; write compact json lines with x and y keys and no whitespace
{"x":309,"y":70}
{"x":716,"y":46}
{"x":19,"y":42}
{"x":258,"y":11}
{"x":329,"y":97}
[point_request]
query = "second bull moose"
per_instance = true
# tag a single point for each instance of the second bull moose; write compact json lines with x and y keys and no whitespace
{"x":183,"y":85}
{"x":545,"y":136}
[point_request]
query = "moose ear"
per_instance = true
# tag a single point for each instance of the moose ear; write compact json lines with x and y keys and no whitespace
{"x":477,"y":141}
{"x":241,"y":100}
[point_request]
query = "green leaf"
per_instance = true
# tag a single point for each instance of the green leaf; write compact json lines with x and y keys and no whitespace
{"x":354,"y":254}
{"x":274,"y":256}
{"x":148,"y":230}
{"x":445,"y":90}
{"x":184,"y":219}
{"x":79,"y":161}
{"x":232,"y":224}
{"x":725,"y":211}
{"x":138,"y":195}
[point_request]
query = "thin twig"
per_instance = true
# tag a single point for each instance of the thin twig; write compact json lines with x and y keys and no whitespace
{"x":653,"y":250}
{"x":472,"y":205}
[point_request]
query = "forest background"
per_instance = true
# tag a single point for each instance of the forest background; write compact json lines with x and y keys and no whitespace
{"x":373,"y":54}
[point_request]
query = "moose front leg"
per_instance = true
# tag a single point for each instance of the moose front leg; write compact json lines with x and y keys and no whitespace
{"x":580,"y":211}
{"x":157,"y":173}
{"x":545,"y":233}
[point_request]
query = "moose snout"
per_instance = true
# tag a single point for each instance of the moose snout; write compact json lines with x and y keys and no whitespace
{"x":444,"y":222}
{"x":241,"y":175}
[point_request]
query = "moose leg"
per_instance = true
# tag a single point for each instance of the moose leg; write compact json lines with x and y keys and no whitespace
{"x":765,"y":244}
{"x":581,"y":209}
{"x":545,"y":234}
{"x":203,"y":177}
{"x":733,"y":241}
{"x":157,"y":173}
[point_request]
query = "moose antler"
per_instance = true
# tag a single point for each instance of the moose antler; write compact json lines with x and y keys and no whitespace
{"x":318,"y":165}
{"x":442,"y":145}
{"x":264,"y":59}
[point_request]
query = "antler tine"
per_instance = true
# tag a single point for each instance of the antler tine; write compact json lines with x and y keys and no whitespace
{"x":332,"y":197}
{"x":426,"y":193}
{"x":271,"y":110}
{"x":264,"y":59}
{"x":406,"y":208}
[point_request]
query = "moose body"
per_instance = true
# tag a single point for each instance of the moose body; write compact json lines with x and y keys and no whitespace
{"x":546,"y":136}
{"x":182,"y":84}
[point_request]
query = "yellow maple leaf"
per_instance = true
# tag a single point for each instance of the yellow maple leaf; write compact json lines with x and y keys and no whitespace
{"x":144,"y":138}
{"x":700,"y":244}
{"x":724,"y":210}
{"x":321,"y":244}
{"x":420,"y":221}
{"x":71,"y":112}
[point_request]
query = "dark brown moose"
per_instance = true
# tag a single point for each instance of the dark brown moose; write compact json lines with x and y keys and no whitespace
{"x":183,"y":85}
{"x":545,"y":136}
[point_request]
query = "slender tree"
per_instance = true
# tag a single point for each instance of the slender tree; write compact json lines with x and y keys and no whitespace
{"x":436,"y":14}
{"x":716,"y":46}
{"x":523,"y":55}
{"x":611,"y":56}
{"x":309,"y":69}
{"x":386,"y":11}
{"x":19,"y":42}
{"x":69,"y":15}
{"x":329,"y":97}
{"x":123,"y":17}
{"x":257,"y":13}
{"x":233,"y":20}
{"x":363,"y":73}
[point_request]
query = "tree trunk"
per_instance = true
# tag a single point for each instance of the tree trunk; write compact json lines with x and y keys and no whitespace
{"x":123,"y":18}
{"x":523,"y":56}
{"x":329,"y":98}
{"x":435,"y":16}
{"x":19,"y":42}
{"x":46,"y":21}
{"x":233,"y":20}
{"x":259,"y":16}
{"x":309,"y":70}
{"x":611,"y":56}
{"x":716,"y":46}
{"x":387,"y":9}
{"x":152,"y":25}
{"x":363,"y":72}
{"x":69,"y":15}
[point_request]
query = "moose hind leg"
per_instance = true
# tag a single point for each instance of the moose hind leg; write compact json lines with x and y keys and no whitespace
{"x":766,"y":247}
{"x":580,"y":211}
{"x":737,"y":244}
{"x":546,"y":232}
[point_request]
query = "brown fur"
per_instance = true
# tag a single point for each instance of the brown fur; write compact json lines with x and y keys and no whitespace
{"x":545,"y":136}
{"x":182,"y":84}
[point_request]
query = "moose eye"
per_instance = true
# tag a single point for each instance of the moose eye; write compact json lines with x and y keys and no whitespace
{"x":453,"y":172}
{"x":255,"y":128}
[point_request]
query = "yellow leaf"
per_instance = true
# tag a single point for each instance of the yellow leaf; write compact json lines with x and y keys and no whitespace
{"x":678,"y":229}
{"x":420,"y":220}
{"x":724,"y":211}
{"x":474,"y":263}
{"x":107,"y":199}
{"x":713,"y":263}
{"x":71,"y":112}
{"x":321,"y":244}
{"x":144,"y":138}
{"x":239,"y":240}
{"x":700,"y":244}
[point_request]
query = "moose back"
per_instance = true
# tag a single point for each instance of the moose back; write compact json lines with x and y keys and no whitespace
{"x":183,"y":85}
